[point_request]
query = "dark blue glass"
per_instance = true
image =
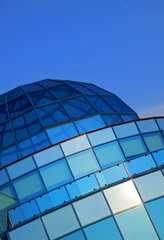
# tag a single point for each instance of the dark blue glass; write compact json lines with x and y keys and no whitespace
{"x":32,"y":87}
{"x":80,"y":88}
{"x":49,"y":82}
{"x":40,"y":141}
{"x":26,"y":147}
{"x":3,"y":98}
{"x":129,"y":117}
{"x":63,"y":91}
{"x":3,"y":113}
{"x":95,"y":88}
{"x":9,"y":155}
{"x":100,"y":104}
{"x":6,"y":136}
{"x":42,"y":96}
{"x":32,"y":122}
{"x":15,"y":93}
{"x":110,"y":119}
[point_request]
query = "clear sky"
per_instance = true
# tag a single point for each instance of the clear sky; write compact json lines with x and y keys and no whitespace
{"x":115,"y":44}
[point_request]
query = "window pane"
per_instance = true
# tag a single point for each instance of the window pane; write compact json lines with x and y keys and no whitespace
{"x":151,"y":185}
{"x":33,"y":230}
{"x":49,"y":155}
{"x":28,"y":186}
{"x":92,"y":208}
{"x":40,"y":141}
{"x":159,"y":157}
{"x":99,"y":103}
{"x":101,"y":136}
{"x":111,"y":118}
{"x":64,"y":221}
{"x":103,"y":230}
{"x":108,"y":154}
{"x":117,"y":104}
{"x":74,"y":236}
{"x":156,"y":210}
{"x":133,"y":146}
{"x":147,"y":126}
{"x":7,"y":136}
{"x":154,"y":141}
{"x":122,"y":196}
{"x":3,"y":177}
{"x":63,"y":91}
{"x":9,"y":155}
{"x":135,"y":224}
{"x":19,"y":168}
{"x":56,"y":174}
{"x":160,"y":122}
{"x":125,"y":130}
{"x":83,"y":163}
{"x":75,"y":145}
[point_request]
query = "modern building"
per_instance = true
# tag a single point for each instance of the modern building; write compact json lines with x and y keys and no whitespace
{"x":76,"y":163}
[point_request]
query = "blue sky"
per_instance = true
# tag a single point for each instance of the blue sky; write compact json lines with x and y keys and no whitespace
{"x":115,"y":44}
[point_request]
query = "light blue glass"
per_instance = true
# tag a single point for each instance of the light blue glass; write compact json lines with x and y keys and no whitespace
{"x":74,"y":236}
{"x":151,"y":185}
{"x":62,"y":132}
{"x":92,"y":208}
{"x":141,"y":164}
{"x":156,"y":211}
{"x":111,"y":175}
{"x":133,"y":146}
{"x":21,"y":167}
{"x":101,"y":136}
{"x":160,"y":122}
{"x":83,"y":163}
{"x":89,"y":124}
{"x":135,"y":224}
{"x":32,"y":230}
{"x":159,"y":157}
{"x":109,"y":154}
{"x":49,"y":155}
{"x":60,"y":222}
{"x":147,"y":126}
{"x":3,"y":177}
{"x":55,"y":174}
{"x":154,"y":141}
{"x":126,"y":130}
{"x":104,"y":230}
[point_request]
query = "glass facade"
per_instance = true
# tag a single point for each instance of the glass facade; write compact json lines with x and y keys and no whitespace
{"x":67,"y":173}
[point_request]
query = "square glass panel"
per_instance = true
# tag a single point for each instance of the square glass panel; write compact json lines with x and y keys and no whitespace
{"x":3,"y":177}
{"x":126,"y":130}
{"x":56,"y":174}
{"x":9,"y":155}
{"x":160,"y":122}
{"x":111,"y":119}
{"x":64,"y":221}
{"x":101,"y":136}
{"x":159,"y":157}
{"x":74,"y":236}
{"x":133,"y":146}
{"x":92,"y":208}
{"x":147,"y":126}
{"x":151,"y":185}
{"x":40,"y":141}
{"x":75,"y":145}
{"x":109,"y":154}
{"x":154,"y":141}
{"x":122,"y":196}
{"x":104,"y":230}
{"x":26,"y":147}
{"x":83,"y":163}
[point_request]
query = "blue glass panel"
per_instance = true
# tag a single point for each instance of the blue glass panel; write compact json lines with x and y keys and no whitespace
{"x":3,"y":98}
{"x":52,"y":114}
{"x":3,"y":177}
{"x":160,"y":122}
{"x":9,"y":155}
{"x":125,"y":130}
{"x":128,"y":117}
{"x":17,"y":92}
{"x":89,"y":124}
{"x":100,"y":104}
{"x":159,"y":157}
{"x":32,"y":121}
{"x":147,"y":126}
{"x":6,"y":136}
{"x":111,"y":175}
{"x":154,"y":141}
{"x":63,"y":91}
{"x":133,"y":146}
{"x":74,"y":236}
{"x":26,"y":147}
{"x":108,"y":154}
{"x":62,"y":132}
{"x":32,"y":87}
{"x":49,"y":82}
{"x":95,"y":88}
{"x":104,"y":230}
{"x":78,"y":107}
{"x":23,"y":212}
{"x":135,"y":224}
{"x":140,"y":165}
{"x":110,"y":119}
{"x":156,"y":210}
{"x":40,"y":141}
{"x":117,"y":104}
{"x":83,"y":163}
{"x":41,"y":97}
{"x":80,"y":88}
{"x":56,"y":174}
{"x":3,"y":113}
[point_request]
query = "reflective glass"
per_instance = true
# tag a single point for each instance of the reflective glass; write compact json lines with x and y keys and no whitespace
{"x":95,"y":88}
{"x":151,"y":185}
{"x":122,"y":196}
{"x":92,"y":208}
{"x":154,"y":141}
{"x":160,"y":122}
{"x":140,"y":164}
{"x":48,"y":155}
{"x":52,"y":114}
{"x":111,"y":175}
{"x":126,"y":130}
{"x":133,"y":146}
{"x":78,"y":107}
{"x":83,"y":163}
{"x":26,"y":147}
{"x":56,"y":174}
{"x":28,"y":186}
{"x":15,"y":93}
{"x":99,"y":103}
{"x":80,"y":88}
{"x":156,"y":211}
{"x":110,"y":119}
{"x":101,"y":136}
{"x":41,"y":96}
{"x":63,"y":91}
{"x":74,"y":236}
{"x":9,"y":155}
{"x":117,"y":104}
{"x":108,"y":154}
{"x":135,"y":224}
{"x":104,"y":230}
{"x":7,"y":137}
{"x":62,"y":132}
{"x":33,"y":230}
{"x":49,"y":82}
{"x":128,"y":117}
{"x":3,"y":177}
{"x":147,"y":126}
{"x":3,"y":113}
{"x":40,"y":141}
{"x":19,"y":168}
{"x":159,"y":157}
{"x":75,"y":145}
{"x":64,"y":221}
